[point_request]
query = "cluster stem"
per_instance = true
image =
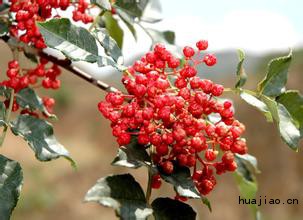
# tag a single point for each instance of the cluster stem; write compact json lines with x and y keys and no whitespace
{"x":7,"y":117}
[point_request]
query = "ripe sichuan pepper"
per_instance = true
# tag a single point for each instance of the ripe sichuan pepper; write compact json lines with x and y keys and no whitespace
{"x":27,"y":13}
{"x":43,"y":75}
{"x":168,"y":107}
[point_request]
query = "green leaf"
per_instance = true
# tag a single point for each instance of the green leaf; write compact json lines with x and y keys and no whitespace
{"x":182,"y":181}
{"x":246,"y":180}
{"x":4,"y":6}
{"x":241,"y":75}
{"x":27,"y":98}
{"x":122,"y":193}
{"x":2,"y":114}
{"x":105,"y":4}
{"x":206,"y":202}
{"x":28,"y":51}
{"x":129,"y":21}
{"x":109,"y":44}
{"x":161,"y":37}
{"x":5,"y":92}
{"x":76,"y":43}
{"x":254,"y":101}
{"x":3,"y":28}
{"x":132,"y":7}
{"x":40,"y":137}
{"x":31,"y":56}
{"x":11,"y":180}
{"x":289,"y":132}
{"x":152,"y":12}
{"x":170,"y":209}
{"x":132,"y":155}
{"x":272,"y":106}
{"x":113,"y":28}
{"x":276,"y":77}
{"x":250,"y":163}
{"x":293,"y":102}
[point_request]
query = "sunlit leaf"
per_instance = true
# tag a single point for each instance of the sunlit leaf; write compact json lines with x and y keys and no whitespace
{"x":288,"y":130}
{"x":134,"y":8}
{"x":40,"y":137}
{"x":152,"y":12}
{"x":241,"y":75}
{"x":109,"y":44}
{"x":27,"y":98}
{"x":105,"y":4}
{"x":276,"y":77}
{"x":256,"y":102}
{"x":132,"y":155}
{"x":162,"y":36}
{"x":122,"y":193}
{"x":129,"y":21}
{"x":113,"y":28}
{"x":182,"y":181}
{"x":76,"y":43}
{"x":293,"y":102}
{"x":246,"y":180}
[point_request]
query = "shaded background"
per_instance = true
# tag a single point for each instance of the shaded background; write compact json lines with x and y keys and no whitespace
{"x":54,"y":190}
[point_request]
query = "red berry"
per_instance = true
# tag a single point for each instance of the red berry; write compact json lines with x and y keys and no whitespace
{"x":124,"y":139}
{"x":11,"y":73}
{"x":156,"y":182}
{"x":162,"y":149}
{"x":174,"y":119}
{"x":182,"y":159}
{"x":188,"y":51}
{"x":168,"y":167}
{"x":14,"y":64}
{"x":191,"y":160}
{"x":202,"y":44}
{"x":210,"y":155}
{"x":55,"y":84}
{"x":217,"y":90}
{"x":210,"y":60}
{"x":228,"y":157}
{"x":231,"y":166}
{"x":143,"y":139}
{"x":181,"y":198}
{"x":155,"y":139}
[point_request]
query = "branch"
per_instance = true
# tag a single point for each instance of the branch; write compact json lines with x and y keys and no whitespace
{"x":67,"y":65}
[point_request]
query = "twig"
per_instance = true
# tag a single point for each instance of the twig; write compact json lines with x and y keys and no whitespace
{"x":7,"y":116}
{"x":67,"y":65}
{"x":150,"y":175}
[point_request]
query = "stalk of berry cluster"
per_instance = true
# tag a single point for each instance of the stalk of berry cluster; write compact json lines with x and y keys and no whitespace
{"x":7,"y":116}
{"x":67,"y":65}
{"x":10,"y":106}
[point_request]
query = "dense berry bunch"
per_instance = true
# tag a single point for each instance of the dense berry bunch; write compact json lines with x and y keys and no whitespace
{"x":28,"y":12}
{"x":170,"y":110}
{"x":44,"y":74}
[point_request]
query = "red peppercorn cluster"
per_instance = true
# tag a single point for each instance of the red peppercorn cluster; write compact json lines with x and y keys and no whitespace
{"x":28,"y":12}
{"x":79,"y":14}
{"x":169,"y":108}
{"x":44,"y":74}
